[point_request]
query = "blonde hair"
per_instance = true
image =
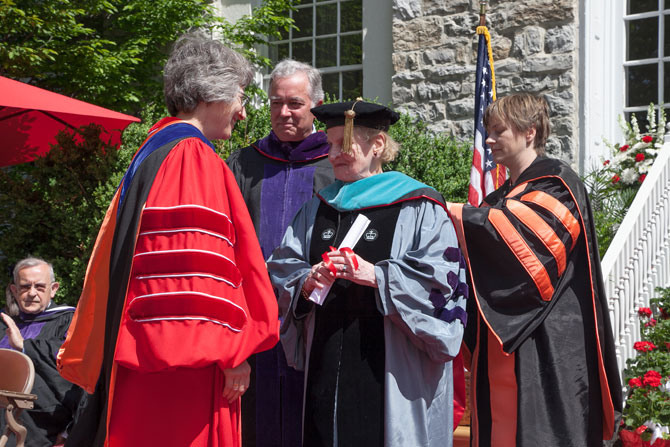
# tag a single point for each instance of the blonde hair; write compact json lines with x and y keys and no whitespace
{"x":391,"y":148}
{"x":522,"y":111}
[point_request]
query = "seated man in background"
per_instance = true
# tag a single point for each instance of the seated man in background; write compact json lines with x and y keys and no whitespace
{"x":33,"y":324}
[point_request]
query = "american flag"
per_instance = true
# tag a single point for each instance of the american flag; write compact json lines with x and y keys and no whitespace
{"x":485,"y":175}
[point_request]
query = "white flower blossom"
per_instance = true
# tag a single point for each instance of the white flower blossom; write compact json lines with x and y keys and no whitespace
{"x":620,"y":156}
{"x":629,"y":176}
{"x":657,"y":431}
{"x":645,"y":166}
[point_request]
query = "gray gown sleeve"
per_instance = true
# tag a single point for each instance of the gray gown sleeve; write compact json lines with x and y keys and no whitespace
{"x":288,"y":267}
{"x":422,"y":287}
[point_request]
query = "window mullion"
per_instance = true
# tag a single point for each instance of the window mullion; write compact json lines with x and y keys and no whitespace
{"x":313,"y":34}
{"x":337,"y":46}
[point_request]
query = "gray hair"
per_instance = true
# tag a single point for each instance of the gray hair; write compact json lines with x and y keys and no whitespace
{"x":11,"y":305}
{"x":289,"y":67}
{"x":203,"y":70}
{"x":32,"y":262}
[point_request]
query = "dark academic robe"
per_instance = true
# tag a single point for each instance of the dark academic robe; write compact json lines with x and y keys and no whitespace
{"x":543,"y":362}
{"x":276,"y":178}
{"x":57,"y":399}
{"x":176,"y":291}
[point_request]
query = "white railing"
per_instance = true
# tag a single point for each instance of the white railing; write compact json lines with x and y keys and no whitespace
{"x":638,"y":259}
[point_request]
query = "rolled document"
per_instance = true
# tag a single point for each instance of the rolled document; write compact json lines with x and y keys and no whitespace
{"x":350,"y":240}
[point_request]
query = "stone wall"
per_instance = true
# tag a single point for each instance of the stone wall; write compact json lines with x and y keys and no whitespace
{"x":534,"y":50}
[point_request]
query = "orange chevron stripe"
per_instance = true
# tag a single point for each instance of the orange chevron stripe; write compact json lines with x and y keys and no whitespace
{"x":542,"y":230}
{"x":523,"y":253}
{"x":559,"y":210}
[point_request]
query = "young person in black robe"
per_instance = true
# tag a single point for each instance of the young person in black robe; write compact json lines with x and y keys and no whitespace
{"x":34,"y":324}
{"x":543,"y":362}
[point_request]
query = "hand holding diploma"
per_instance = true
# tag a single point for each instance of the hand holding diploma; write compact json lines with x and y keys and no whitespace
{"x":341,"y":263}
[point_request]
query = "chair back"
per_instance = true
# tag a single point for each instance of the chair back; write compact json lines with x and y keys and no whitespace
{"x":17,"y":373}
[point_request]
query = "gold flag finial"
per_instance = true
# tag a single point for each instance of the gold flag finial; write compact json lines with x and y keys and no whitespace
{"x":482,"y":12}
{"x":349,"y":116}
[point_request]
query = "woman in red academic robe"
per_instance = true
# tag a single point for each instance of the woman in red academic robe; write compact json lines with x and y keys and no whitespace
{"x":176,"y":295}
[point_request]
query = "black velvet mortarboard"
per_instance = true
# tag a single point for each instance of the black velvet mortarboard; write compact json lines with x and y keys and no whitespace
{"x":368,"y":114}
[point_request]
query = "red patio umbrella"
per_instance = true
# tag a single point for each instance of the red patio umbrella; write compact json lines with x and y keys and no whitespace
{"x":31,"y":117}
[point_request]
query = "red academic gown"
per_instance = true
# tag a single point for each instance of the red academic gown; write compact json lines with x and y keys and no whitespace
{"x":178,"y":291}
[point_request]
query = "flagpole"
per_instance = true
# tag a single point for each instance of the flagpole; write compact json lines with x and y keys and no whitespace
{"x":482,"y":12}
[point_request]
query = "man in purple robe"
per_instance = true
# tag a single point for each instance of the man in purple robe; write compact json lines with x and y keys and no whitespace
{"x":33,"y":324}
{"x":277,"y":175}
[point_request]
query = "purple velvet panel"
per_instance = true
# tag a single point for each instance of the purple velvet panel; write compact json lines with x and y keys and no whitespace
{"x":450,"y":315}
{"x":279,"y":390}
{"x":452,"y":254}
{"x":28,"y":331}
{"x":285,"y":189}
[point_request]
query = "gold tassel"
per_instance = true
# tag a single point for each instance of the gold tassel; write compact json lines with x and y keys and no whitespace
{"x":349,"y":116}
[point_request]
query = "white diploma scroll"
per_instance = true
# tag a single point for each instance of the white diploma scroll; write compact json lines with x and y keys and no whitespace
{"x":350,"y":240}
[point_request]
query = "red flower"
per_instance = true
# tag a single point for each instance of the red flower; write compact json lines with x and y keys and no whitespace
{"x":639,"y":157}
{"x":644,"y":346}
{"x":642,"y":177}
{"x":647,"y":139}
{"x":635,"y":382}
{"x":615,"y":178}
{"x":624,"y":148}
{"x":652,"y":378}
{"x":651,"y":323}
{"x":644,"y":312}
{"x":606,"y":162}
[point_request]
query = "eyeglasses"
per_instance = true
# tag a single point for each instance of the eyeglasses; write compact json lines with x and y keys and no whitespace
{"x":244,"y":99}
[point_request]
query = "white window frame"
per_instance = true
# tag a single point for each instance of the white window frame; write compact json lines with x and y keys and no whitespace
{"x":602,"y":71}
{"x":377,"y":44}
{"x":663,"y":55}
{"x":313,"y":39}
{"x":601,"y":79}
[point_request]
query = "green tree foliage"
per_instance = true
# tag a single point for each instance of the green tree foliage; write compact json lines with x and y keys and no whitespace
{"x":53,"y":207}
{"x":110,"y":52}
{"x":438,"y":160}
